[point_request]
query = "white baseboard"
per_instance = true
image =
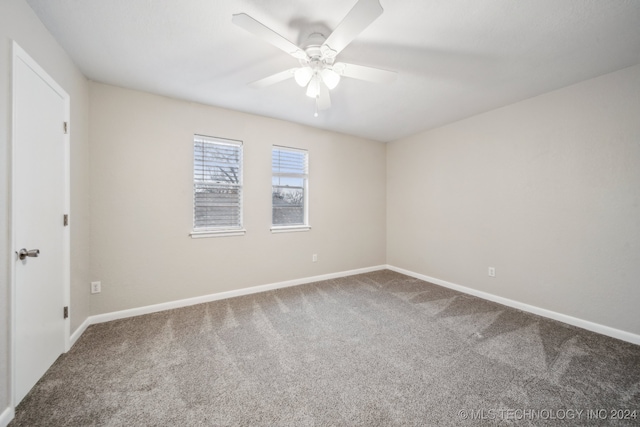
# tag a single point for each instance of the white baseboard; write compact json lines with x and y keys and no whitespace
{"x":106,"y":317}
{"x":584,"y":324}
{"x":6,"y":416}
{"x":78,"y":332}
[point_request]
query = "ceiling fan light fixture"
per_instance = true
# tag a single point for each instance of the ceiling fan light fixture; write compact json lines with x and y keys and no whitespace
{"x":330,"y":78}
{"x":313,"y":90}
{"x":303,"y":75}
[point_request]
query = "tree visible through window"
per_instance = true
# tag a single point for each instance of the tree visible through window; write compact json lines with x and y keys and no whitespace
{"x":217,"y":183}
{"x":289,"y":189}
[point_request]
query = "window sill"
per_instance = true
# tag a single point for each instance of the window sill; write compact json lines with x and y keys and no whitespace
{"x":290,"y":228}
{"x":216,"y":233}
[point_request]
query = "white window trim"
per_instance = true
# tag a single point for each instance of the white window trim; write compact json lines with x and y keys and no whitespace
{"x":227,"y":232}
{"x":299,"y":227}
{"x":199,"y":233}
{"x":289,"y":228}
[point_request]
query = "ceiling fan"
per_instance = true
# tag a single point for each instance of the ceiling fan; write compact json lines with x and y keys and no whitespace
{"x":318,"y":71}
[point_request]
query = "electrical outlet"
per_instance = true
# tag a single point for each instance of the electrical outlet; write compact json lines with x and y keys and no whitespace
{"x":314,"y":258}
{"x":492,"y":272}
{"x":95,"y":287}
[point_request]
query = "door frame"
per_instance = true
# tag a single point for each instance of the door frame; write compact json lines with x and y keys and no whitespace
{"x":18,"y":54}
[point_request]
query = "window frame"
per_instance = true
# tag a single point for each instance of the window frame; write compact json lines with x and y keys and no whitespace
{"x":294,"y":227}
{"x":225,"y":230}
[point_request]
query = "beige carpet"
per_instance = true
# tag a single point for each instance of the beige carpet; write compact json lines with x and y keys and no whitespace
{"x":374,"y":349}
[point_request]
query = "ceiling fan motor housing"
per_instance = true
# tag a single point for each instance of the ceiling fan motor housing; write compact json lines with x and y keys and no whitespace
{"x":317,"y":51}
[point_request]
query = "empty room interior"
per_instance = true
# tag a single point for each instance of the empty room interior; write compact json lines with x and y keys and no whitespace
{"x":359,"y":212}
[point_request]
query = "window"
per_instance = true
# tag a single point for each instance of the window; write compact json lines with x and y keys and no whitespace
{"x":289,"y":189}
{"x":217,"y":187}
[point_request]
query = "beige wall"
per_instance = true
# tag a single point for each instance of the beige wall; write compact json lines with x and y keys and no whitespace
{"x":141,"y":180}
{"x":19,"y":23}
{"x":547,"y":191}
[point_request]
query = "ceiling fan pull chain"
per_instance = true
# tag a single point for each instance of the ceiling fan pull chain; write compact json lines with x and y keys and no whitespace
{"x":315,"y":114}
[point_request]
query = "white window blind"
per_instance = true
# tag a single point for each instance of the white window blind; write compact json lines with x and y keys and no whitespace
{"x":289,"y":186}
{"x":217,"y":183}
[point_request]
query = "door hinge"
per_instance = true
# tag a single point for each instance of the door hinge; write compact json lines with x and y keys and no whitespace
{"x":65,"y":127}
{"x":65,"y":312}
{"x":65,"y":221}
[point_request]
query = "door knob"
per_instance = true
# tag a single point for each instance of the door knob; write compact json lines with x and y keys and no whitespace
{"x":28,"y":253}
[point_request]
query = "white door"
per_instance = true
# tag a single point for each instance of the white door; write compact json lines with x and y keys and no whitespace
{"x":39,"y":203}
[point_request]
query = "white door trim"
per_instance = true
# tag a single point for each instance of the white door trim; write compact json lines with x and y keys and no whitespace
{"x":18,"y":54}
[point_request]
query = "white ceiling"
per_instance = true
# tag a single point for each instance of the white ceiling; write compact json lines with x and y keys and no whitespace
{"x":454,"y":58}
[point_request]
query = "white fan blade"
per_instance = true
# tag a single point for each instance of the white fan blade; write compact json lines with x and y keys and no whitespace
{"x":358,"y":18}
{"x":360,"y":72}
{"x":267,"y":34}
{"x":324,"y":99}
{"x":273,"y":79}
